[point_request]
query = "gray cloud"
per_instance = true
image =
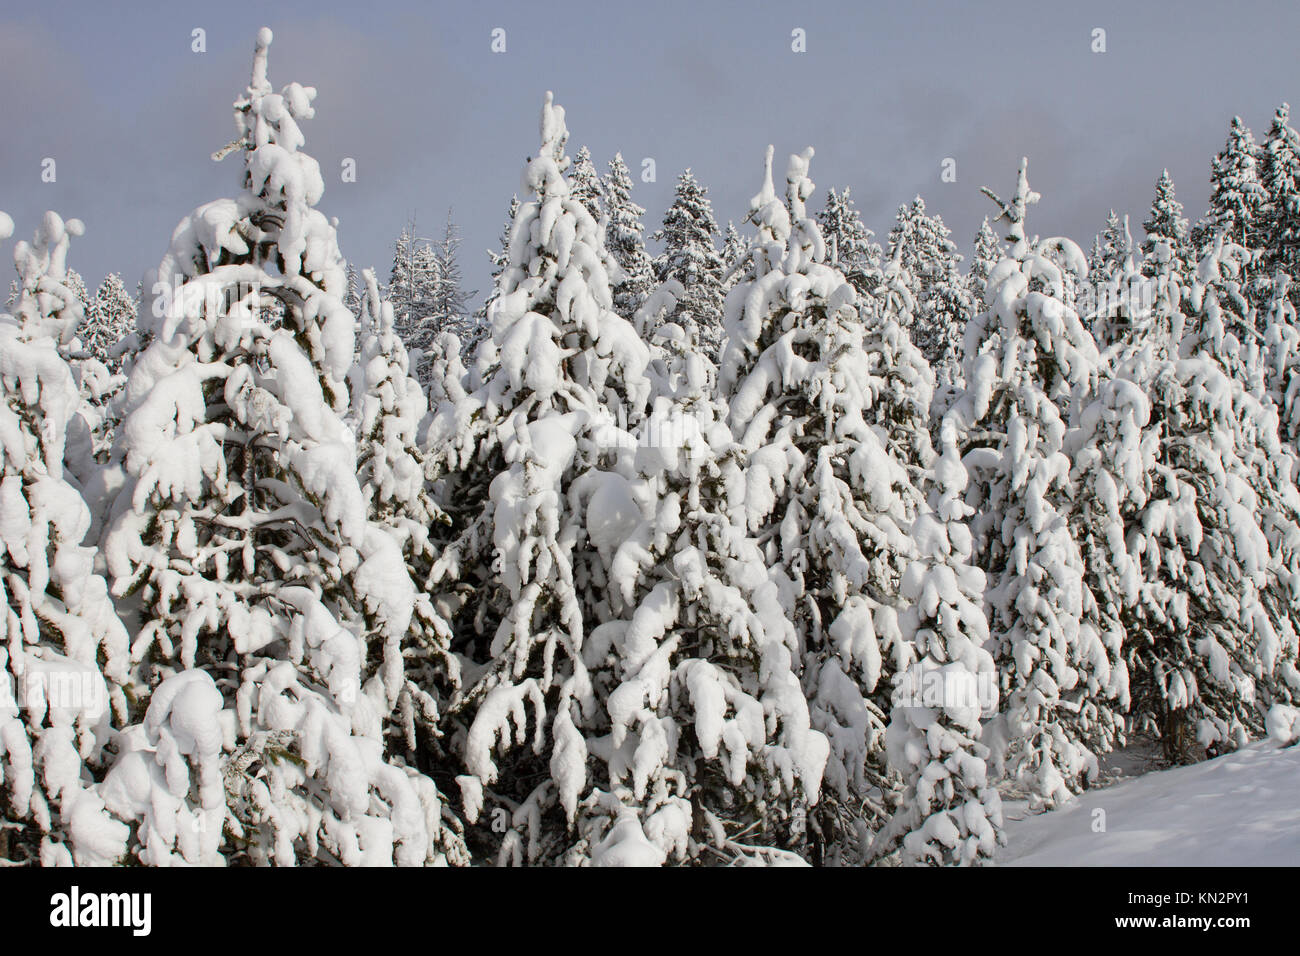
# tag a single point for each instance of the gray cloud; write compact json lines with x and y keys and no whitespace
{"x":434,"y":119}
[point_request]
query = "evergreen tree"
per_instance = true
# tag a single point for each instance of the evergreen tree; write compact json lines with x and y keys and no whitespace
{"x":850,"y":246}
{"x":388,"y":409}
{"x":1236,"y":195}
{"x":108,"y":330}
{"x":1025,"y":354}
{"x":701,"y":648}
{"x":586,"y":185}
{"x":830,"y":402}
{"x":449,"y":301}
{"x":401,"y":278}
{"x":923,"y":249}
{"x":1279,"y":172}
{"x":1113,"y":278}
{"x":1113,"y":249}
{"x":499,"y":259}
{"x":691,"y":258}
{"x":64,"y":668}
{"x":110,"y":319}
{"x":1211,"y":638}
{"x":520,"y":464}
{"x":735,"y":252}
{"x":624,"y":237}
{"x":270,"y":607}
{"x":1167,"y":236}
{"x":77,"y":285}
{"x":988,"y":250}
{"x":1282,"y":358}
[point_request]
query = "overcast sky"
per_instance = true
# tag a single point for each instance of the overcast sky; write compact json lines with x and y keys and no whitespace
{"x":434,"y":119}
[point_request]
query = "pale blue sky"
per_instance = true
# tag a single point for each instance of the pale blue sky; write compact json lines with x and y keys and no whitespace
{"x":434,"y":119}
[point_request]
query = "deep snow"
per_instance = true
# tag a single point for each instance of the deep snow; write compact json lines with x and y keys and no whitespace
{"x":1237,"y":810}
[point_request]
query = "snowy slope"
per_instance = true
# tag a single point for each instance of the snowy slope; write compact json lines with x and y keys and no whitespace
{"x":1236,"y":810}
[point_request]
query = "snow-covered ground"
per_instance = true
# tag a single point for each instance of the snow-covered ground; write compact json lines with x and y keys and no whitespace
{"x":1237,"y":810}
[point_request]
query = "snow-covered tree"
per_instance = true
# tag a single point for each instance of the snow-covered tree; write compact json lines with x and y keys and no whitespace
{"x":1236,"y":195}
{"x":987,"y":252}
{"x":690,"y":257}
{"x":850,"y":245}
{"x":830,"y":401}
{"x":1113,"y":281}
{"x":1025,"y":354}
{"x":625,"y":238}
{"x":107,"y":334}
{"x":499,"y":259}
{"x":525,"y":464}
{"x":1167,"y":237}
{"x":948,"y":810}
{"x":388,"y":408}
{"x":586,"y":185}
{"x":110,"y":318}
{"x":1212,"y":635}
{"x":1281,"y":358}
{"x":64,"y":665}
{"x":735,"y":250}
{"x":1279,"y":172}
{"x":709,"y":755}
{"x":401,"y":277}
{"x":268,"y":604}
{"x":412,"y":284}
{"x":77,"y":285}
{"x":922,"y":247}
{"x":1112,"y":249}
{"x":447,"y":305}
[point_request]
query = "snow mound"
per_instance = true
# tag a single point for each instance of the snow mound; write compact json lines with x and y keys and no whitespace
{"x":1235,"y":810}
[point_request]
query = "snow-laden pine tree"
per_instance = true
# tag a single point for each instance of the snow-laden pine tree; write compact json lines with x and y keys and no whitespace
{"x":1167,"y":235}
{"x":387,"y":410}
{"x":401,"y":276}
{"x":1113,"y":280}
{"x":987,"y":252}
{"x":1112,"y":448}
{"x":1212,"y":635}
{"x":829,"y":400}
{"x":412,"y":284}
{"x":735,"y":252}
{"x":447,"y":302}
{"x":948,"y":810}
{"x":263,"y":596}
{"x":499,"y":258}
{"x":705,"y":752}
{"x":109,"y":320}
{"x":1236,"y":194}
{"x":690,"y":257}
{"x":64,"y":662}
{"x":530,"y":466}
{"x":352,"y":297}
{"x":425,"y":281}
{"x":106,"y":334}
{"x":1279,"y":172}
{"x":585,"y":184}
{"x":1272,"y":464}
{"x":1026,"y":357}
{"x":850,"y":246}
{"x":922,"y":247}
{"x":1281,"y":357}
{"x":73,"y":280}
{"x":1111,"y":250}
{"x":625,"y":238}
